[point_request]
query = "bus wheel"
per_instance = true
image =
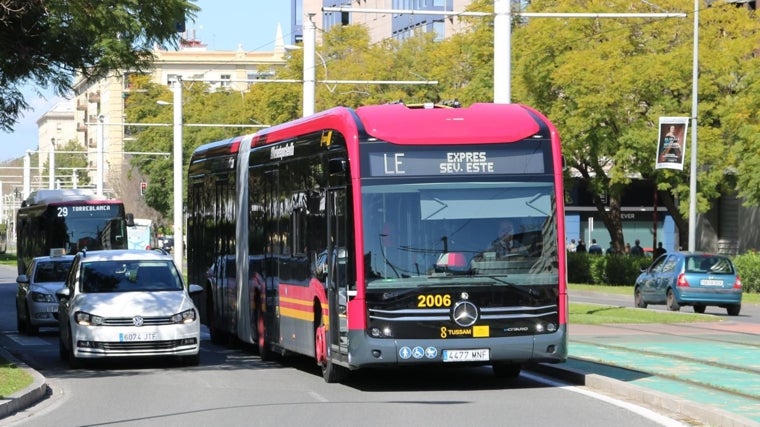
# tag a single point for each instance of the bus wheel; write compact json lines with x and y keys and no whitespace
{"x":331,"y":372}
{"x":506,"y":370}
{"x":214,"y":333}
{"x":261,"y":339}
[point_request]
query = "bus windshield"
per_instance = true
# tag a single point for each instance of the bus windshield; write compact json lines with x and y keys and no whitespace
{"x":415,"y":232}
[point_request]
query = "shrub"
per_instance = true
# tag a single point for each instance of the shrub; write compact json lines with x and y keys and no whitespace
{"x":748,"y":266}
{"x":613,"y":270}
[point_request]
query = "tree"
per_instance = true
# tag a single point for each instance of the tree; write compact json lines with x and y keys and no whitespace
{"x":46,"y":42}
{"x":606,"y":82}
{"x":70,"y":165}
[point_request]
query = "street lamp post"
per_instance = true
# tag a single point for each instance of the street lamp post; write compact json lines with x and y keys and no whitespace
{"x":101,"y":159}
{"x":51,"y":165}
{"x":309,"y":80}
{"x":179,"y":246}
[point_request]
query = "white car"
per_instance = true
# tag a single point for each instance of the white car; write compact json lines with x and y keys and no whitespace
{"x":124,"y":303}
{"x":36,"y":303}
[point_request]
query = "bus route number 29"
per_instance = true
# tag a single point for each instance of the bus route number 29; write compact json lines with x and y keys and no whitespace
{"x":433,"y":301}
{"x":63,"y":211}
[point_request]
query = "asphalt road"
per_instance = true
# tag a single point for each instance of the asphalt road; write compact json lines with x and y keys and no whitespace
{"x":232,"y":386}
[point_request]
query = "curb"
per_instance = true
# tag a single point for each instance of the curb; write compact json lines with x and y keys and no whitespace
{"x":27,"y":397}
{"x":634,"y":393}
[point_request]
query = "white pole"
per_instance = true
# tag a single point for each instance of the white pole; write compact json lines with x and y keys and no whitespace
{"x":502,"y":45}
{"x":2,"y":204}
{"x":309,"y":52}
{"x":27,"y":174}
{"x":179,"y":247}
{"x":51,"y":165}
{"x":101,"y":159}
{"x":694,"y":104}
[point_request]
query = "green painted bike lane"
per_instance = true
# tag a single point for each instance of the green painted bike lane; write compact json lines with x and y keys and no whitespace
{"x":720,"y":368}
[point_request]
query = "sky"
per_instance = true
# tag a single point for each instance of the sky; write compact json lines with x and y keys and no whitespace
{"x":221,"y":24}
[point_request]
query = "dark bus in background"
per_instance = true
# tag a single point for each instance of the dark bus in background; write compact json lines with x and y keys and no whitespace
{"x":368,"y":237}
{"x":73,"y":219}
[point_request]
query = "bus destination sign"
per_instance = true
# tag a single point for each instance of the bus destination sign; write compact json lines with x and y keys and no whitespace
{"x":421,"y":163}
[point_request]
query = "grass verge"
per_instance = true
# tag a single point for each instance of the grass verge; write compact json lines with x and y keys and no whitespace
{"x":12,"y":378}
{"x":596,"y":314}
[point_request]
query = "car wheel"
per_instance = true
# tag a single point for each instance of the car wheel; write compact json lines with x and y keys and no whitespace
{"x":733,"y":310}
{"x":30,"y":329}
{"x":506,"y":370}
{"x":193,"y":360}
{"x":20,"y":323}
{"x":671,"y":301}
{"x":63,"y":352}
{"x":699,"y":308}
{"x":638,"y":299}
{"x":74,"y":362}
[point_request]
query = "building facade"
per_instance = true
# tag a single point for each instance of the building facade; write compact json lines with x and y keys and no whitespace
{"x":376,"y":16}
{"x":99,"y":105}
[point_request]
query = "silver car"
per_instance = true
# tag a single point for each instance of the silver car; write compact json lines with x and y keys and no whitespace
{"x":36,"y":303}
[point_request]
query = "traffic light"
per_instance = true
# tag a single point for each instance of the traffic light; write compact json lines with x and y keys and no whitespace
{"x":143,"y":187}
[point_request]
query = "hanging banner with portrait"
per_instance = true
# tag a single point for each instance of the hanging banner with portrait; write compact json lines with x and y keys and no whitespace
{"x":671,"y":144}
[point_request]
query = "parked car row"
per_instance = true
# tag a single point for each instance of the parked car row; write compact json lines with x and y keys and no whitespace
{"x":690,"y":278}
{"x":112,"y":303}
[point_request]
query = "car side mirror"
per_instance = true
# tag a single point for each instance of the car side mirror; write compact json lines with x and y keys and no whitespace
{"x":63,"y":293}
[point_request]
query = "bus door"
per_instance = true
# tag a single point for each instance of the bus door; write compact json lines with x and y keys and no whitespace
{"x":337,"y":277}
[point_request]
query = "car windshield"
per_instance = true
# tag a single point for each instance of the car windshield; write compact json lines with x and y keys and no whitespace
{"x":129,"y":276}
{"x":709,"y":264}
{"x":52,"y":271}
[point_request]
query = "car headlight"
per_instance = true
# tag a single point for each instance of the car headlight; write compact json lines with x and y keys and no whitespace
{"x":40,"y":297}
{"x":187,"y":316}
{"x":87,"y":319}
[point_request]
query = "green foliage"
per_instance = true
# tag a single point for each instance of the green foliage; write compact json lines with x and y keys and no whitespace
{"x":606,"y":82}
{"x":46,"y":42}
{"x":614,"y":270}
{"x":748,"y":266}
{"x":579,"y":268}
{"x":69,"y":163}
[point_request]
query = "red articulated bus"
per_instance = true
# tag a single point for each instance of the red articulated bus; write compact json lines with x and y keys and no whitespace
{"x":386,"y":236}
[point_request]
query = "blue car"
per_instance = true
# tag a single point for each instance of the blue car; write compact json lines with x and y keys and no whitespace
{"x":690,"y":278}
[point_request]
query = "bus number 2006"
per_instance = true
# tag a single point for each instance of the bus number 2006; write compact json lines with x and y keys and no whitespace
{"x":433,"y":301}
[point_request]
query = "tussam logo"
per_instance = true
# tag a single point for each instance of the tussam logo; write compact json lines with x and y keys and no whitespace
{"x":280,"y":152}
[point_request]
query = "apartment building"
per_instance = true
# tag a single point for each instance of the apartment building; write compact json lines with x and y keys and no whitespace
{"x":96,"y":113}
{"x":375,"y":15}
